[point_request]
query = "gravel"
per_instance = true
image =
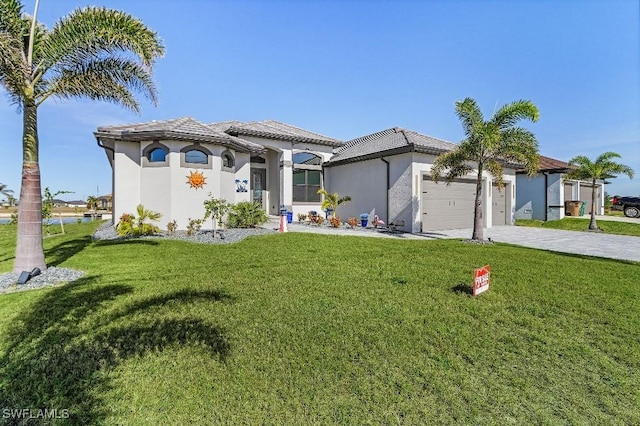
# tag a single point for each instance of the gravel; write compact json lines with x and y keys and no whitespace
{"x":226,"y":236}
{"x":50,"y":277}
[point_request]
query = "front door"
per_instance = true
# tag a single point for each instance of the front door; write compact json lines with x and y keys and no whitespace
{"x":258,"y":184}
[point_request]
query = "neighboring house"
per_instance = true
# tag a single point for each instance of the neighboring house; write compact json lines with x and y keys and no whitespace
{"x":543,"y":196}
{"x":389,"y":171}
{"x":172,"y":166}
{"x":105,"y":202}
{"x":76,"y":203}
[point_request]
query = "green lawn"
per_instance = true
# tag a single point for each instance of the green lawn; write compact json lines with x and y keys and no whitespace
{"x":300,"y":328}
{"x":574,"y":224}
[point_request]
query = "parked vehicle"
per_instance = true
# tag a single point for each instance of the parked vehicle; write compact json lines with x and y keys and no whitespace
{"x":629,"y":205}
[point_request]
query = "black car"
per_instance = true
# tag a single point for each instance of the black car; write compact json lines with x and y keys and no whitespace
{"x":629,"y":205}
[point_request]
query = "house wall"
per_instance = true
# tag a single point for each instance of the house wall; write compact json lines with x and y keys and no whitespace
{"x":365,"y":182}
{"x":530,"y":197}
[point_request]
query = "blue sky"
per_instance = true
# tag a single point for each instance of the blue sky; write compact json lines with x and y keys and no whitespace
{"x":349,"y":68}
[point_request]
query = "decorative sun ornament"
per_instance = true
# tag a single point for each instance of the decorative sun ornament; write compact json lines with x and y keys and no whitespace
{"x":196,"y":180}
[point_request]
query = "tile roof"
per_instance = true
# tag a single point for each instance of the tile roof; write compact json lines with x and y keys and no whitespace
{"x":276,"y":130}
{"x":548,"y":164}
{"x":185,"y":129}
{"x":388,"y":142}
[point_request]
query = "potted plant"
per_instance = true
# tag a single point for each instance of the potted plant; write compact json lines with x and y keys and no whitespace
{"x":364,"y":219}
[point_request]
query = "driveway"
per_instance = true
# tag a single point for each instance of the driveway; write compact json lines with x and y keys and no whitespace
{"x":587,"y":243}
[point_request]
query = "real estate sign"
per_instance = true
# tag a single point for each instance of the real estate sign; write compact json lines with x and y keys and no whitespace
{"x":481,"y":279}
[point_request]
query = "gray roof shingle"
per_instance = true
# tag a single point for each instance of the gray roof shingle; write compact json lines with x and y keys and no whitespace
{"x":184,"y":129}
{"x":276,"y":130}
{"x":388,"y":142}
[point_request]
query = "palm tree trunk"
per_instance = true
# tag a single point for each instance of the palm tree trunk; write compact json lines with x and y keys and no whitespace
{"x":478,"y":228}
{"x":593,"y":225}
{"x":29,"y":249}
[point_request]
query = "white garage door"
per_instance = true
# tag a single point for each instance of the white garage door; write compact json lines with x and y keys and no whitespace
{"x":447,"y":206}
{"x":585,"y":195}
{"x":498,"y":206}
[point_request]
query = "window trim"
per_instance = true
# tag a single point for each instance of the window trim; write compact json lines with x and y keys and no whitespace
{"x":197,"y":147}
{"x":227,"y":153}
{"x":307,"y":168}
{"x":146,"y":162}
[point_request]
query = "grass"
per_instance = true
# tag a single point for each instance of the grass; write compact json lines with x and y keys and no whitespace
{"x":300,"y":328}
{"x":575,"y":224}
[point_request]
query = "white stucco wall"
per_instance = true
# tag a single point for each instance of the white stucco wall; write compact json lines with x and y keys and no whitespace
{"x":365,"y":182}
{"x":126,"y":178}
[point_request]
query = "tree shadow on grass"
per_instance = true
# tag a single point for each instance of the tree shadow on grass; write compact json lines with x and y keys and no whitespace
{"x":60,"y":351}
{"x":60,"y":252}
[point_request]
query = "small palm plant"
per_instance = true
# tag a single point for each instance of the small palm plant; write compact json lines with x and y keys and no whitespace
{"x":332,"y":201}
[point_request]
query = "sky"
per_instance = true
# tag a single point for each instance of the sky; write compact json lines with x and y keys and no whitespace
{"x":349,"y":68}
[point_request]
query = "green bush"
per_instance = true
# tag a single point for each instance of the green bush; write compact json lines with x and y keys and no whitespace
{"x":130,"y":226}
{"x":246,"y":215}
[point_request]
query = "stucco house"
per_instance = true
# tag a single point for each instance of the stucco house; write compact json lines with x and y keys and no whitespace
{"x":543,"y":196}
{"x":172,"y":166}
{"x":390,"y":171}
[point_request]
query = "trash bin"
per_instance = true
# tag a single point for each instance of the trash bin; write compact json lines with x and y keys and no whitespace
{"x":289,"y":217}
{"x":582,"y":208}
{"x":572,"y":208}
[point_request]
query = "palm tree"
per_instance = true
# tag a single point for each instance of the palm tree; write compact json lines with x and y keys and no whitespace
{"x":7,"y":193}
{"x":332,"y":201}
{"x":604,"y":167}
{"x":93,"y":53}
{"x":92,"y":202}
{"x":487,"y":146}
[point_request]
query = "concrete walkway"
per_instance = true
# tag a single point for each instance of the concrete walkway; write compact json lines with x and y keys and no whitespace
{"x":587,"y":243}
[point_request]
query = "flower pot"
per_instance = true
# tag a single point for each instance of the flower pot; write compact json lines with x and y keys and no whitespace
{"x":364,"y":222}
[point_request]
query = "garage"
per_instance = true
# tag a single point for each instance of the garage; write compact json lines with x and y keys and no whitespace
{"x":498,"y":206}
{"x":447,"y":206}
{"x":585,"y":195}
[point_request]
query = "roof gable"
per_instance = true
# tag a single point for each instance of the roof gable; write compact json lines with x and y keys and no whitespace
{"x":388,"y":142}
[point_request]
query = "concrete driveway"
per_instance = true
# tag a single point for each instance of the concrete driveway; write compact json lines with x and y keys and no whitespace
{"x":587,"y":243}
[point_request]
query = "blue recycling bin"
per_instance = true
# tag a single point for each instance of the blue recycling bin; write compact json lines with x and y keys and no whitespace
{"x":289,"y":217}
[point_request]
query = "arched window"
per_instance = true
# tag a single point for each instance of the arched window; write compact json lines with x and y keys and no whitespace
{"x":228,"y":161}
{"x":307,"y":177}
{"x":195,"y":156}
{"x":155,"y":155}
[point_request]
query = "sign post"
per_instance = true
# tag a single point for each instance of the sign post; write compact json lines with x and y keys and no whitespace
{"x":481,"y":280}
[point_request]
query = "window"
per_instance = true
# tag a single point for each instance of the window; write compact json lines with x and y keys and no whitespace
{"x":228,"y":160}
{"x":157,"y":155}
{"x":195,"y":156}
{"x":307,"y":177}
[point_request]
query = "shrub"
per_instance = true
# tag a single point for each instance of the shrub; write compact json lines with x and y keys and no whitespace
{"x":302,"y":217}
{"x":317,"y":220}
{"x":194,"y":226}
{"x":335,"y":222}
{"x":352,"y":222}
{"x":246,"y":214}
{"x":215,"y":208}
{"x":171,"y":227}
{"x":132,"y":226}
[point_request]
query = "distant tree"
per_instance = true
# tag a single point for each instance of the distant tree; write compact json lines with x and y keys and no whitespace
{"x":487,"y":145}
{"x":7,"y":193}
{"x":92,"y":202}
{"x":602,"y":168}
{"x":93,"y":53}
{"x":332,"y":200}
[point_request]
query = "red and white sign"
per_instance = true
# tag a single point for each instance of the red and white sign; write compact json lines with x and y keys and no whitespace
{"x":481,"y":279}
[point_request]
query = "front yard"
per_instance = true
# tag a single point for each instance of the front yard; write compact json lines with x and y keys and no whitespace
{"x":301,"y":328}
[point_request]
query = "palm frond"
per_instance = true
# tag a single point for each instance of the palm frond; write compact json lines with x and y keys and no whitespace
{"x":520,"y":146}
{"x":469,"y":113}
{"x":12,"y":66}
{"x":11,"y":18}
{"x":110,"y":79}
{"x":496,"y":170}
{"x":606,"y":157}
{"x":450,"y":165}
{"x":92,"y":32}
{"x":510,"y":114}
